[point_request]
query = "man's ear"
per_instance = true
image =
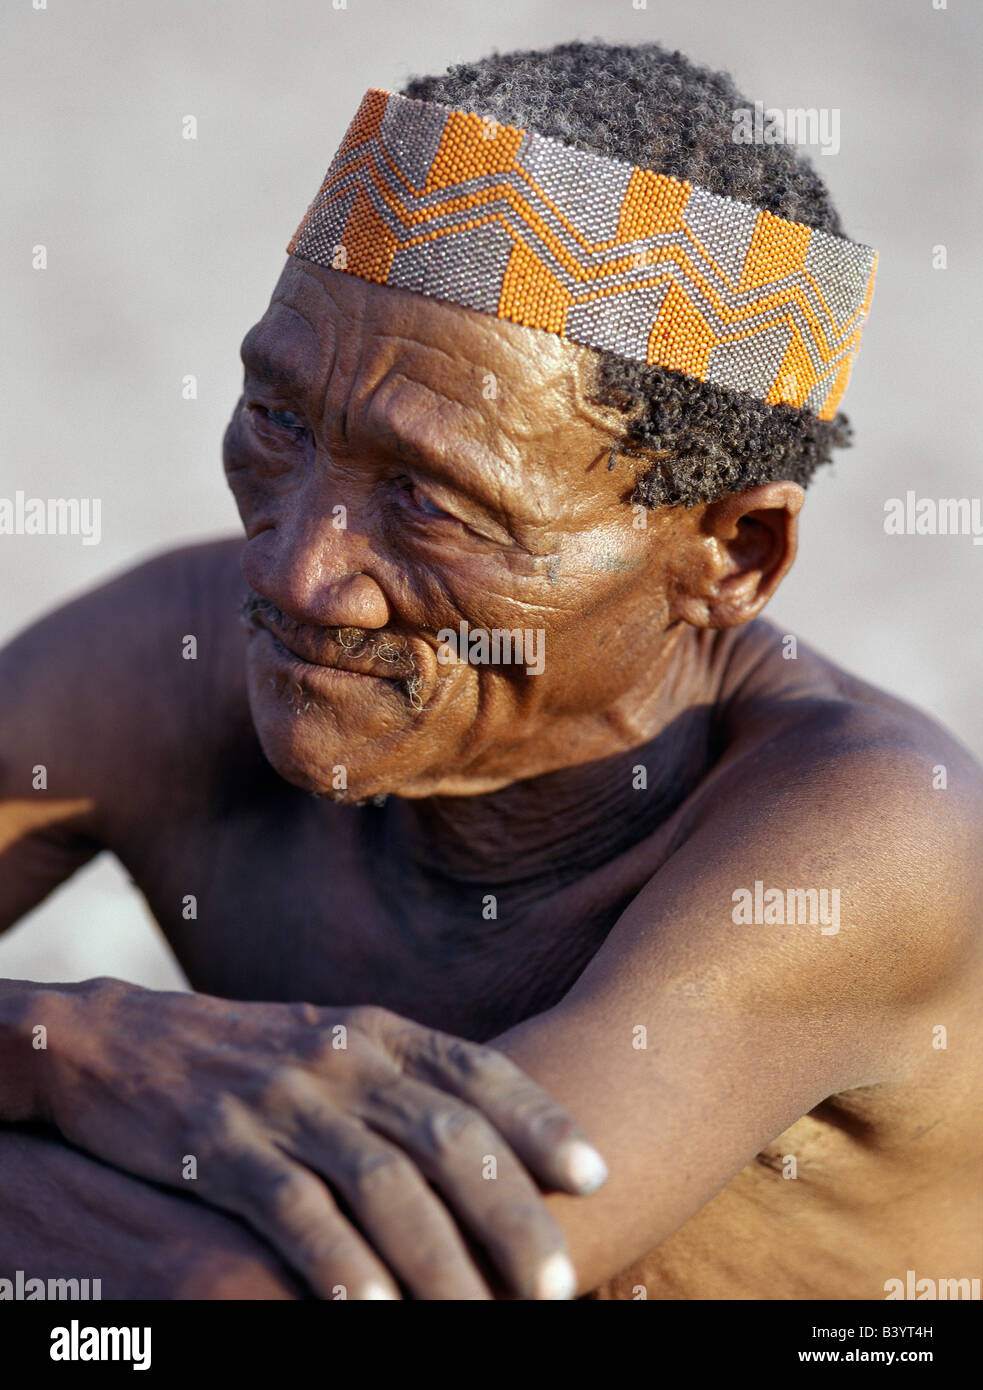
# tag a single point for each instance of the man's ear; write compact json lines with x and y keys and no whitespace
{"x":738,"y":553}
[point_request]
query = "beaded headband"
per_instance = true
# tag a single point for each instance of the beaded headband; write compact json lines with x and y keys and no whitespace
{"x":520,"y":226}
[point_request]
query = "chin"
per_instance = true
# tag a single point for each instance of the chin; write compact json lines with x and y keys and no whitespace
{"x":297,"y":747}
{"x":356,"y":740}
{"x":312,"y":750}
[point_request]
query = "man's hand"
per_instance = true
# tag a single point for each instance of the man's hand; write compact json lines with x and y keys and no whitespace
{"x":369,"y":1151}
{"x":65,"y":1215}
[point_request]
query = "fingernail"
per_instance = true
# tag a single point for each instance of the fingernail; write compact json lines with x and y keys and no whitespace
{"x":585,"y":1166}
{"x":556,"y":1278}
{"x":376,"y":1290}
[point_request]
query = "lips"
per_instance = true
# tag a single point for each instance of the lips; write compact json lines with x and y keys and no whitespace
{"x":328,"y":654}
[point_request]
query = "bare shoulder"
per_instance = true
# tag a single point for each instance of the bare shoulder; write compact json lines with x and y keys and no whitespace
{"x":810,"y":712}
{"x":819,"y":893}
{"x":122,"y":689}
{"x":860,"y":788}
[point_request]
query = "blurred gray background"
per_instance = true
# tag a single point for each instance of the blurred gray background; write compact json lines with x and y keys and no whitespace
{"x":162,"y":251}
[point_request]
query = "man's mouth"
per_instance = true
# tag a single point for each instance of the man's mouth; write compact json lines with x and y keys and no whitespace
{"x":347,"y":651}
{"x":327,"y":655}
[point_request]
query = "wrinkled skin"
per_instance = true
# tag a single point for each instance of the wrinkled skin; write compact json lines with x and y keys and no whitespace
{"x":534,"y":533}
{"x":402,"y":466}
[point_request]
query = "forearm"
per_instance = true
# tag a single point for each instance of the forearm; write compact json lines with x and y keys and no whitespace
{"x":65,"y":1215}
{"x":675,"y":1120}
{"x":30,"y":1018}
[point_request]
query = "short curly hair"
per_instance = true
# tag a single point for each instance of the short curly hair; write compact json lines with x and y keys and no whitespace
{"x":656,"y":109}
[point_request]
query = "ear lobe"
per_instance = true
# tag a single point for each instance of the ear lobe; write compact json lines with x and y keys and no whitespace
{"x":749,"y":541}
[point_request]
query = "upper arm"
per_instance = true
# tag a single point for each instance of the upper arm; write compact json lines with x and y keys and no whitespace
{"x":92,"y":720}
{"x":692,"y":1039}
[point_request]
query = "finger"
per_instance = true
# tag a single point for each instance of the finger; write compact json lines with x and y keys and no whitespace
{"x":293,"y":1210}
{"x":391,"y":1203}
{"x":482,"y":1181}
{"x":540,"y":1132}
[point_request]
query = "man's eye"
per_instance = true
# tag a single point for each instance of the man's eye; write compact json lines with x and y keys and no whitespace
{"x":420,"y":502}
{"x":283,"y":420}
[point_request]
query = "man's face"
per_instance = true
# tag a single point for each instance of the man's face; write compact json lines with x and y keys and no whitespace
{"x":403,"y":466}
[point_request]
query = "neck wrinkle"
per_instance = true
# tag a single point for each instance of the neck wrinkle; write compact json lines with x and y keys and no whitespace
{"x":542,"y":833}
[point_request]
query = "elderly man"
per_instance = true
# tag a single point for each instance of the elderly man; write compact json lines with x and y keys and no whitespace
{"x":502,"y":827}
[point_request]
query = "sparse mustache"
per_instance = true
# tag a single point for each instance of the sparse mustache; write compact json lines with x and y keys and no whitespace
{"x":356,"y":641}
{"x":348,"y":638}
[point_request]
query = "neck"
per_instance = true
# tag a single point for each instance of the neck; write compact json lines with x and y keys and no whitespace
{"x":536,"y":835}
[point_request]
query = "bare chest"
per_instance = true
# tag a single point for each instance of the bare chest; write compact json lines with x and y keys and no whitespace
{"x":259,"y":905}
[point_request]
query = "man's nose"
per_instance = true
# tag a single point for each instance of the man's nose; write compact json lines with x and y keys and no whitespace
{"x":316,"y":575}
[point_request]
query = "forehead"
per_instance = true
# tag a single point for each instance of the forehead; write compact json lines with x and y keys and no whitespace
{"x":425,"y":375}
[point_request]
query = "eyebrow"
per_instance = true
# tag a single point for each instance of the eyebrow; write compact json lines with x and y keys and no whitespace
{"x":414,"y":450}
{"x":273,"y":356}
{"x":268,"y":360}
{"x":412,"y":447}
{"x":268,"y":365}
